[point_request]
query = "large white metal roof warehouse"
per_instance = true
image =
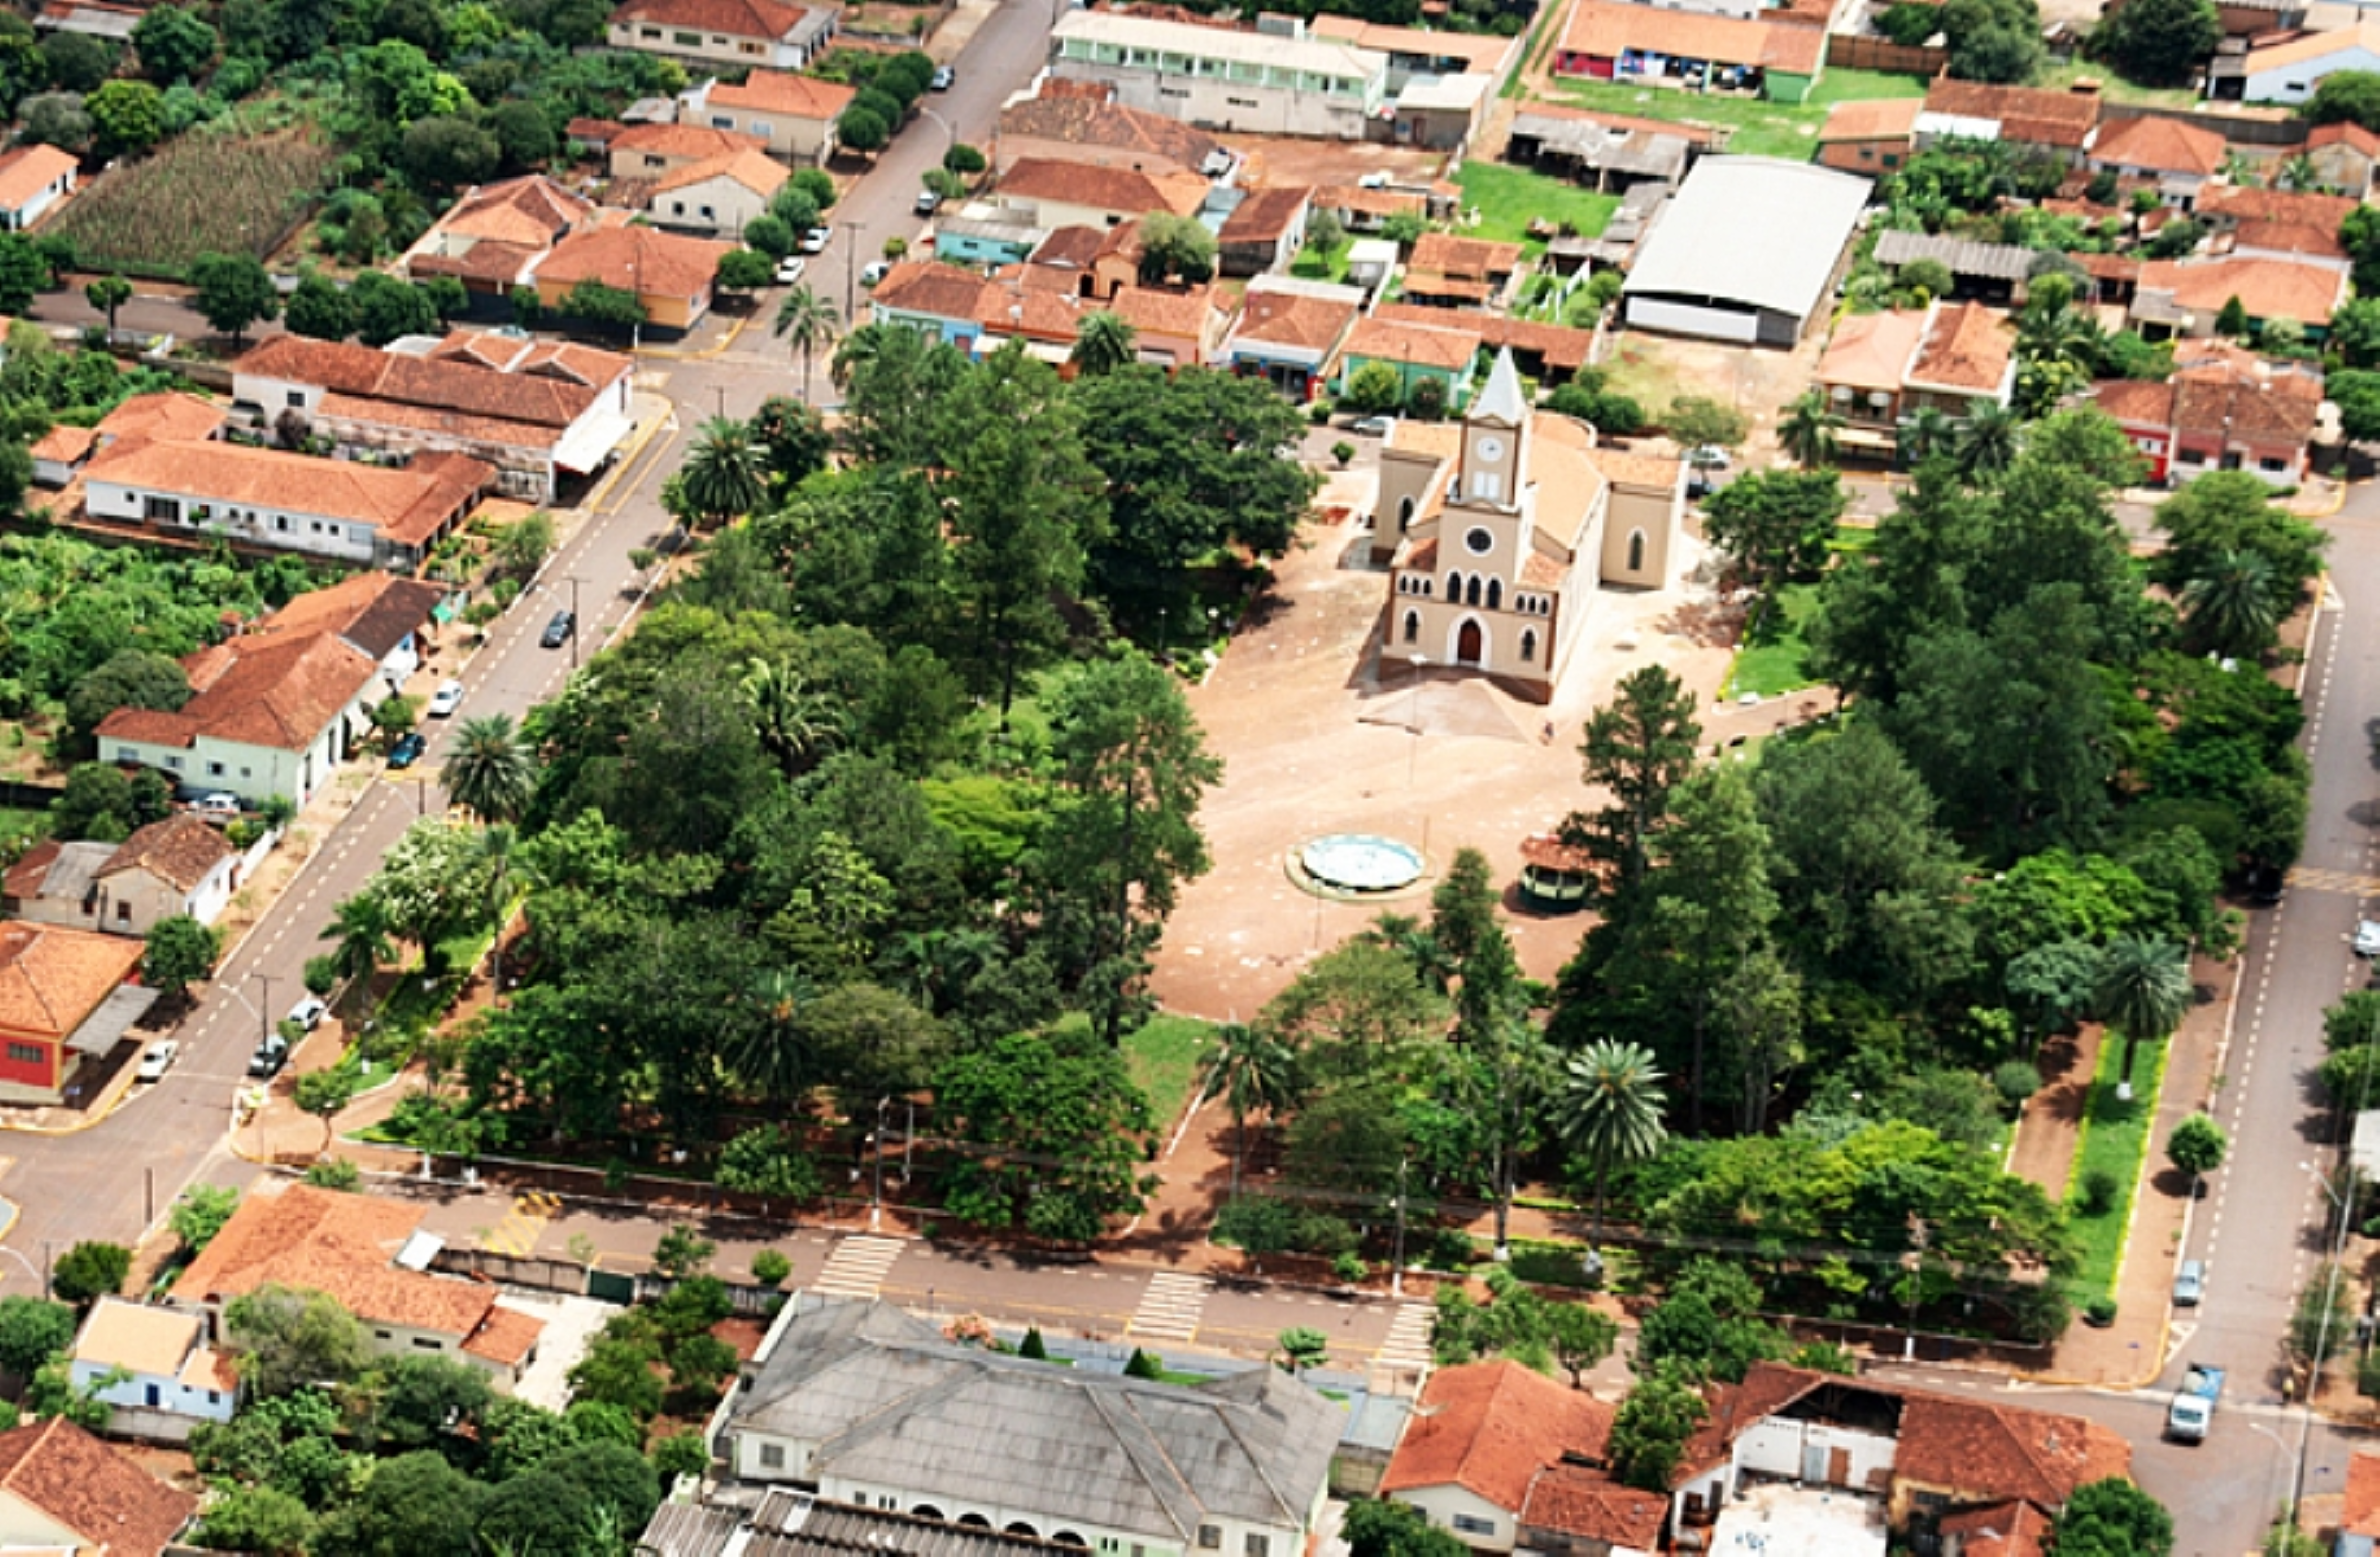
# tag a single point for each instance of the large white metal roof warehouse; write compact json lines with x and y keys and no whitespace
{"x":1747,"y":252}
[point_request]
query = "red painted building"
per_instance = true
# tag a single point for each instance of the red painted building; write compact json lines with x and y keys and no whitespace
{"x":53,"y":984}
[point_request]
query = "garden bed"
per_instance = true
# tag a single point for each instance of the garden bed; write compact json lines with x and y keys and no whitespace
{"x":2115,"y":1139}
{"x":204,"y":193}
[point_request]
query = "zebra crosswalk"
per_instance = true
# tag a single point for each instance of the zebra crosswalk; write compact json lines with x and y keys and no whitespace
{"x":1169,"y":1309}
{"x":2343,"y":881}
{"x":523,"y":1224}
{"x":1408,"y":1340}
{"x":856,"y":1268}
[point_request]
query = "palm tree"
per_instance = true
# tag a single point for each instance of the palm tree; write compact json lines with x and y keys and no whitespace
{"x":792,"y":721}
{"x":725,"y":473}
{"x":1609,"y":1108}
{"x":2232,"y":607}
{"x":2301,"y":176}
{"x":1808,"y":430}
{"x":1103,"y":343}
{"x":1929,"y":432}
{"x":493,"y":848}
{"x":2142,"y":991}
{"x":775,"y":1056}
{"x":489,"y":770}
{"x":854,"y":351}
{"x":1986,"y":439}
{"x":359,"y":927}
{"x":806,"y":321}
{"x":1254,"y":1070}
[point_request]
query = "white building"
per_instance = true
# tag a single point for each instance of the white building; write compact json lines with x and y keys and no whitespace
{"x":793,"y":114}
{"x":1272,"y":81}
{"x":869,"y":1405}
{"x":32,"y":179}
{"x":1695,"y":276}
{"x":172,"y":1378}
{"x":743,"y":32}
{"x":2289,"y":70}
{"x":179,"y":866}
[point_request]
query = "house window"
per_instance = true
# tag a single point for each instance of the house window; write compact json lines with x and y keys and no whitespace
{"x":650,"y":33}
{"x":677,"y":208}
{"x":1528,"y":649}
{"x":280,"y":523}
{"x":428,"y":1344}
{"x":1635,"y":550}
{"x":214,"y":769}
{"x":175,"y":763}
{"x":1495,"y":594}
{"x":652,"y":161}
{"x":2276,"y":466}
{"x":1487,"y":487}
{"x":1258,"y":1544}
{"x":763,"y":128}
{"x":708,"y":214}
{"x":1472,"y":1525}
{"x":689,"y":40}
{"x":772,"y":1456}
{"x":125,"y":754}
{"x":1891,"y":159}
{"x":1867,"y":153}
{"x":1412,"y":627}
{"x":1211,"y":1537}
{"x":124,"y":913}
{"x":26,"y":1053}
{"x":296,"y":397}
{"x":162,"y":510}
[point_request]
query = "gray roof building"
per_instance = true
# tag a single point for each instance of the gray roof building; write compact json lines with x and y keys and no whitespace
{"x":866,"y":1403}
{"x":1748,"y":251}
{"x":1989,"y":261}
{"x":790,"y":1524}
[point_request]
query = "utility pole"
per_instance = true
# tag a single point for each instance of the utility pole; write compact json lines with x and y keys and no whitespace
{"x":875,"y":1199}
{"x":1397,"y":1258}
{"x":572,"y":580}
{"x":264,"y":1010}
{"x":850,"y":272}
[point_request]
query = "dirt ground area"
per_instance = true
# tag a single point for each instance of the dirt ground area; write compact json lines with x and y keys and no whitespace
{"x":1313,"y":741}
{"x":1655,"y":369}
{"x":1280,"y":160}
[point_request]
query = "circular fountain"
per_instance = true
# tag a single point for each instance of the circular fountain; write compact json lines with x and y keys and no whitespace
{"x":1358,"y":865}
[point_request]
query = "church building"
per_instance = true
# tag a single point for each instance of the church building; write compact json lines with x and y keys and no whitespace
{"x":1499,"y":530}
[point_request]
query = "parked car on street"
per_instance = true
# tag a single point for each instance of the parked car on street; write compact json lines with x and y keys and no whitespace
{"x":1372,"y":427}
{"x":2367,"y":938}
{"x":2189,"y":1284}
{"x":944,"y":78}
{"x":308,"y":1013}
{"x":157,"y":1061}
{"x":927,"y":203}
{"x":407,"y":750}
{"x":877,"y":270}
{"x":269,"y":1056}
{"x":557,"y":632}
{"x":446,"y":700}
{"x":789,"y":269}
{"x":815,"y":241}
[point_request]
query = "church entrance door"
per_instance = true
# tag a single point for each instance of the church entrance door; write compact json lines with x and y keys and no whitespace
{"x":1466,"y":644}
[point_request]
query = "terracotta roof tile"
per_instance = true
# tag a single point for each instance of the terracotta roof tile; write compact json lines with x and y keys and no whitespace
{"x":506,"y":1336}
{"x":2162,"y":145}
{"x":1449,"y":347}
{"x":1293,"y":319}
{"x":2345,"y":133}
{"x":163,"y":414}
{"x":2247,"y":203}
{"x":133,"y":1335}
{"x":28,"y":170}
{"x":1626,"y":466}
{"x":2290,"y":238}
{"x":1735,"y":1409}
{"x":747,"y":165}
{"x":372,"y":612}
{"x":111,"y":1503}
{"x":2029,"y":114}
{"x":1605,"y":29}
{"x":52,"y":977}
{"x":1468,"y":258}
{"x":2002,"y":1530}
{"x":211,"y":1370}
{"x":1560,"y":348}
{"x":531,"y":211}
{"x":25,"y":878}
{"x":1124,"y":190}
{"x":279,"y":694}
{"x":2359,"y":1516}
{"x":1357,"y":200}
{"x":1587,"y":1505}
{"x":684,"y":142}
{"x":1265,"y":216}
{"x":402,"y":506}
{"x":441,"y":382}
{"x":1980,"y":1451}
{"x":65,"y":445}
{"x":1873,"y":118}
{"x":1872,"y":351}
{"x":1161,"y":312}
{"x":1074,"y":247}
{"x":2246,"y":406}
{"x":344,"y":1245}
{"x":180,"y":851}
{"x":1489,"y":1427}
{"x":780,"y":92}
{"x":735,"y":19}
{"x":1539,"y":571}
{"x":929,"y":287}
{"x":2267,"y":289}
{"x":1967,"y":347}
{"x":651,"y":262}
{"x":1079,"y":120}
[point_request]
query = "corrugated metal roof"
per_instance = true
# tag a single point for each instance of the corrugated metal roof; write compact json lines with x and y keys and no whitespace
{"x":1998,"y":261}
{"x":1803,"y":214}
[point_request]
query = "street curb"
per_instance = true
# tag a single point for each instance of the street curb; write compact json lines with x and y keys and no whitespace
{"x":705,"y":353}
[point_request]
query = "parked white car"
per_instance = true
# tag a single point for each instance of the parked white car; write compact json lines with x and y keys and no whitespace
{"x":2367,"y":938}
{"x":157,"y":1061}
{"x":446,"y":700}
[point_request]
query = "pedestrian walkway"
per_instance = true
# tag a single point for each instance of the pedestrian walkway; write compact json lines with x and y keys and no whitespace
{"x":856,"y":1268}
{"x":1171,"y":1309}
{"x":1408,"y":1342}
{"x":523,"y":1225}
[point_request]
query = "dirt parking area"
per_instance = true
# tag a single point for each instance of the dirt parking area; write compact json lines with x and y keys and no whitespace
{"x":1314,"y":741}
{"x":1654,"y":369}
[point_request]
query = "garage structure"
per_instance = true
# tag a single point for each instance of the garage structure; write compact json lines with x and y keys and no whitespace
{"x":1748,"y":252}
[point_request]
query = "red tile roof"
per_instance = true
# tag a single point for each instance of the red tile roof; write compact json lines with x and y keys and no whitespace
{"x":2003,"y":1529}
{"x":643,"y":260}
{"x":735,"y":19}
{"x":1450,"y":346}
{"x":2035,"y":115}
{"x":1124,"y":190}
{"x":442,"y":382}
{"x":65,"y":445}
{"x":2345,"y":133}
{"x":28,"y":170}
{"x":2135,"y":402}
{"x":1607,"y":28}
{"x":402,"y":506}
{"x":748,"y":166}
{"x":1266,"y":215}
{"x":684,"y":142}
{"x":1468,"y":258}
{"x":929,"y":287}
{"x":1871,"y":118}
{"x":1587,"y":1505}
{"x":1980,"y":1451}
{"x":531,"y":211}
{"x":1293,"y":319}
{"x":2267,"y":289}
{"x":1489,"y":1427}
{"x":780,"y":91}
{"x":2162,"y":145}
{"x":1966,"y":346}
{"x":282,"y":696}
{"x":180,"y":851}
{"x":1078,"y":119}
{"x":163,"y":414}
{"x":341,"y":1243}
{"x":2359,"y":1516}
{"x":52,"y":977}
{"x":112,"y":1505}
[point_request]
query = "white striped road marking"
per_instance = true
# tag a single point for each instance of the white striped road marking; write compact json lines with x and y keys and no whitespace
{"x":856,"y":1268}
{"x":1169,"y":1309}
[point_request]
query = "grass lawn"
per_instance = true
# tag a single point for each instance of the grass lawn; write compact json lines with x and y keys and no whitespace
{"x":16,"y":823}
{"x":2115,"y":1138}
{"x":1334,"y":263}
{"x":2112,"y":86}
{"x":1766,"y":129}
{"x":1166,"y":1057}
{"x":1770,"y":662}
{"x":1508,"y":199}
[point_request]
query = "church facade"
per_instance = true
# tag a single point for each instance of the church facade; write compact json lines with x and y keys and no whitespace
{"x":1499,"y":530}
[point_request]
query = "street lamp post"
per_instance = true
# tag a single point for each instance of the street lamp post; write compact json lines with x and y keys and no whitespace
{"x":1397,"y":1254}
{"x":876,"y":1199}
{"x":264,"y":1008}
{"x":1413,"y":716}
{"x":850,"y":272}
{"x":2335,"y":1244}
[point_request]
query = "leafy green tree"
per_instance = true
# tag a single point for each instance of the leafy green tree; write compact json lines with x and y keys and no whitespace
{"x":386,"y":308}
{"x":1175,"y":247}
{"x":260,"y":1519}
{"x":425,"y":1401}
{"x":1374,"y":389}
{"x":682,"y":1253}
{"x":362,"y":936}
{"x":2224,"y":513}
{"x":287,"y":1338}
{"x":127,"y":118}
{"x":319,"y":308}
{"x":443,"y":154}
{"x":598,"y":304}
{"x":1777,"y":526}
{"x":108,"y":293}
{"x":619,"y":1372}
{"x":175,"y":45}
{"x":1638,"y":749}
{"x":1057,"y":1136}
{"x":324,"y":1093}
{"x":231,"y":292}
{"x":96,"y":804}
{"x":2234,"y":607}
{"x":2197,"y":1146}
{"x":489,"y":770}
{"x":1649,"y":1432}
{"x":1582,"y":1337}
{"x":522,"y":546}
{"x":743,"y":270}
{"x":765,"y":1162}
{"x":1697,"y":421}
{"x":135,"y":679}
{"x":1986,"y":441}
{"x":1609,"y":1110}
{"x":32,"y":1330}
{"x":1384,"y":1528}
{"x":180,"y":951}
{"x":415,"y":1506}
{"x":78,"y":61}
{"x":2143,"y":992}
{"x":90,"y":1270}
{"x":200,"y":1213}
{"x":860,"y":129}
{"x":1708,"y":1326}
{"x":1253,"y":1071}
{"x":54,"y":118}
{"x":2112,"y":1518}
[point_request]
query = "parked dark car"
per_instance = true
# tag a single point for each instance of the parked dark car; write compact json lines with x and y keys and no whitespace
{"x":269,"y":1056}
{"x":2265,"y":883}
{"x":558,"y":631}
{"x":407,"y":750}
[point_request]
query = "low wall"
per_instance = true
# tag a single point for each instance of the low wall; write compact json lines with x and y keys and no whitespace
{"x":1862,"y":53}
